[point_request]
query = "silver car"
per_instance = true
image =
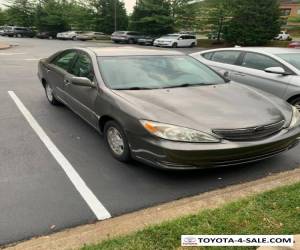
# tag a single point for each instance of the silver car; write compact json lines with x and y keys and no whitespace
{"x":274,"y":70}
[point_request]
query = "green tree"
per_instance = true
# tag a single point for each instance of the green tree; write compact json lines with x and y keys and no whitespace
{"x":253,"y":22}
{"x":152,"y":17}
{"x":3,"y":17}
{"x":21,"y":12}
{"x":110,"y":15}
{"x":184,"y":14}
{"x":50,"y":16}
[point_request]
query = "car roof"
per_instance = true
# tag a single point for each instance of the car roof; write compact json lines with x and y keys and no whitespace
{"x":131,"y":51}
{"x":268,"y":50}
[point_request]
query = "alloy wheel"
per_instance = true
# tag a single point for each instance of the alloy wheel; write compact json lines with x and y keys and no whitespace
{"x":49,"y":93}
{"x":115,"y":141}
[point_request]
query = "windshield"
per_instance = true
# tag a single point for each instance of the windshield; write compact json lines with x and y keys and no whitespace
{"x":154,"y":72}
{"x":291,"y":58}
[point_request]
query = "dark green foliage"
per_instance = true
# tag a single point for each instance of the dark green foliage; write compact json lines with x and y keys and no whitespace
{"x":20,"y":12}
{"x":105,"y":15}
{"x":152,"y":17}
{"x":253,"y":22}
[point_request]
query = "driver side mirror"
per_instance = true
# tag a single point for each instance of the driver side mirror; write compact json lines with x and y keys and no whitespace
{"x":276,"y":70}
{"x":82,"y":81}
{"x":180,"y":38}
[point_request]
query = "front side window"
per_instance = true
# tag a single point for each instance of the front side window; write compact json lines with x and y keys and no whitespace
{"x":64,"y":60}
{"x":291,"y":58}
{"x":258,"y":61}
{"x":228,"y":57}
{"x":155,"y":72}
{"x":83,"y":67}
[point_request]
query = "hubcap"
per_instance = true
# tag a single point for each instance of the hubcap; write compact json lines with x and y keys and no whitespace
{"x":297,"y":105}
{"x":115,"y":141}
{"x":49,"y":93}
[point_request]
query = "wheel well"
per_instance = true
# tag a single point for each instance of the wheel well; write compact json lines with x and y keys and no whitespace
{"x":44,"y":82}
{"x":293,"y":98}
{"x":103,"y":120}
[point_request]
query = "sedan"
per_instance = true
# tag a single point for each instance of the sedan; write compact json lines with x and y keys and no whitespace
{"x":168,"y":110}
{"x":274,"y":70}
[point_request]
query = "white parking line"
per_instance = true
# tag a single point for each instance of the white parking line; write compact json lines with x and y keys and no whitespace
{"x":95,"y":205}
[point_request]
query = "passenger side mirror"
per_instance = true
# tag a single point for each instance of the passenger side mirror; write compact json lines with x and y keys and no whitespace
{"x":276,"y":70}
{"x":82,"y":81}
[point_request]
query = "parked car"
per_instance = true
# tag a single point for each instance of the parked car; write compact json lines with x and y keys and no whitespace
{"x":274,"y":70}
{"x":168,"y":110}
{"x":47,"y":35}
{"x":2,"y":30}
{"x":283,"y":36}
{"x":6,"y":29}
{"x":20,"y":32}
{"x":69,"y":35}
{"x":125,"y":37}
{"x":91,"y":35}
{"x":176,"y":40}
{"x":146,"y":40}
{"x":295,"y":45}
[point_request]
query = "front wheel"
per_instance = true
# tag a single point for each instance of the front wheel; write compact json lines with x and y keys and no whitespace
{"x":174,"y":45}
{"x":116,"y":141}
{"x":296,"y":103}
{"x":50,"y":96}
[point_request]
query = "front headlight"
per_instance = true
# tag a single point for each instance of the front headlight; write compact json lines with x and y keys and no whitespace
{"x":296,"y":118}
{"x":175,"y":133}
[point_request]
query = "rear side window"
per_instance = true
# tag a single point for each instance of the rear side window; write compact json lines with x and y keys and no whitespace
{"x":258,"y":61}
{"x":64,"y":60}
{"x":228,"y":57}
{"x":207,"y":55}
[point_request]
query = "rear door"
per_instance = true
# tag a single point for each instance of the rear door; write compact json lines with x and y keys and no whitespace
{"x":58,"y":69}
{"x":82,"y":99}
{"x":251,"y":72}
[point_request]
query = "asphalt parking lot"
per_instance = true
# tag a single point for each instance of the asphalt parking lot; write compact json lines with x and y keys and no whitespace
{"x":37,"y":194}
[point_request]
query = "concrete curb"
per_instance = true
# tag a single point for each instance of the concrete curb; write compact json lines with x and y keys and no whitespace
{"x":130,"y":223}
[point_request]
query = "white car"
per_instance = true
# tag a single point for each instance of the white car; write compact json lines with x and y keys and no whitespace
{"x":69,"y":35}
{"x":176,"y":40}
{"x":283,"y":36}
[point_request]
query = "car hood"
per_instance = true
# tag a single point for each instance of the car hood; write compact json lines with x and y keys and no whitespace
{"x":223,"y":106}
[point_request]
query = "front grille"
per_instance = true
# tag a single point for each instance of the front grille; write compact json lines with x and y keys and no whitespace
{"x":250,"y":134}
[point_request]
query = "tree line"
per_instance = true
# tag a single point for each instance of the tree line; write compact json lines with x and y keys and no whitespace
{"x":243,"y":22}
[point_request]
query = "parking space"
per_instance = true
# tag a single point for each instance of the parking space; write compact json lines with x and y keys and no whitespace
{"x":38,"y":196}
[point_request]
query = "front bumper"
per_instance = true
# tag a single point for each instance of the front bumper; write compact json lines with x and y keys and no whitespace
{"x":182,"y":156}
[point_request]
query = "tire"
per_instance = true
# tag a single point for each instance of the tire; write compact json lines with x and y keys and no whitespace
{"x":74,"y":38}
{"x":50,"y":96}
{"x":116,"y":141}
{"x":19,"y":35}
{"x":296,"y":102}
{"x":192,"y":45}
{"x":174,"y":45}
{"x":131,"y":41}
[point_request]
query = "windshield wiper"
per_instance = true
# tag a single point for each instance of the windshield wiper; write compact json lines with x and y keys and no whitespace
{"x":185,"y":85}
{"x":133,"y":88}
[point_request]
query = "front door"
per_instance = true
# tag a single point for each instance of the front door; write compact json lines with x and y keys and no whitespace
{"x":81,"y":99}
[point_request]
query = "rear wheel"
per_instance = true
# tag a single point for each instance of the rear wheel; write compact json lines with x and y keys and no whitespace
{"x":192,"y":45}
{"x":174,"y":45}
{"x":131,"y":41}
{"x":19,"y":35}
{"x":116,"y":141}
{"x":50,"y":96}
{"x":296,"y":102}
{"x":74,"y":38}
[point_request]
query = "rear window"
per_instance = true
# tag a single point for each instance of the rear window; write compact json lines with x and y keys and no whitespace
{"x":228,"y":57}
